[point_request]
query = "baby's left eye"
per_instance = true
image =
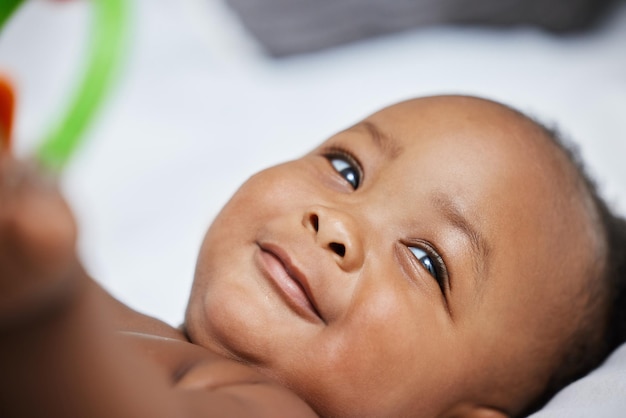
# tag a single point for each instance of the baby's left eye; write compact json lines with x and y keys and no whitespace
{"x":347,"y":169}
{"x":429,"y":264}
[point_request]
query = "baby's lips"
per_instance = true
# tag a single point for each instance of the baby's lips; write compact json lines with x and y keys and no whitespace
{"x":7,"y":106}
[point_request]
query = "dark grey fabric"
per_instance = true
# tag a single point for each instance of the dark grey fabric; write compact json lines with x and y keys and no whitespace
{"x":292,"y":26}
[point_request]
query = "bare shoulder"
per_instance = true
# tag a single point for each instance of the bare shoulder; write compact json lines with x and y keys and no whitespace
{"x":246,"y":387}
{"x":206,"y":381}
{"x":125,"y":319}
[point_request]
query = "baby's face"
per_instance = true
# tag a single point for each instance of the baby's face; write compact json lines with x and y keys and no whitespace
{"x":421,"y":262}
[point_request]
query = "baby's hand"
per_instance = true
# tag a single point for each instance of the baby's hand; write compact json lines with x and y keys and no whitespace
{"x":37,"y":241}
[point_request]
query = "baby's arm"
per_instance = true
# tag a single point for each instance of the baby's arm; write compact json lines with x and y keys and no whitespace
{"x":59,"y":354}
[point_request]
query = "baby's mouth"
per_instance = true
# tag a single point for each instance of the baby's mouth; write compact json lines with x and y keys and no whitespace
{"x":288,"y":280}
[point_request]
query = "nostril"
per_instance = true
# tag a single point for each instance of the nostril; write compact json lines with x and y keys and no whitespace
{"x":338,"y":249}
{"x":315,"y":222}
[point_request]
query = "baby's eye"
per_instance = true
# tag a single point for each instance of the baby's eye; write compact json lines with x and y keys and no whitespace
{"x":429,"y":264}
{"x":348,"y":169}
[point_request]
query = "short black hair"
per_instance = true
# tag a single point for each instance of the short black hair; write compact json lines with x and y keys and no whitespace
{"x":603,"y":327}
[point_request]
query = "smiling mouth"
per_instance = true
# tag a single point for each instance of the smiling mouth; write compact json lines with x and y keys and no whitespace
{"x":289,"y":282}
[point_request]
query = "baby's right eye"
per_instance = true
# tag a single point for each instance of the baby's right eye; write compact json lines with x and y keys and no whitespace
{"x":347,"y":168}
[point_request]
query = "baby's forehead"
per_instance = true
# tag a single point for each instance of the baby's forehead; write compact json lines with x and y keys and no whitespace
{"x":477,"y":129}
{"x":480,"y":129}
{"x":458,"y":116}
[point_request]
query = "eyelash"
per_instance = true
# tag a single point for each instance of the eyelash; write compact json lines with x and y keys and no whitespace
{"x":441,"y":273}
{"x":348,"y":157}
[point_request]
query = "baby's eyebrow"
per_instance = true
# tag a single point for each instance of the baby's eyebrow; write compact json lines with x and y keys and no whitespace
{"x":385,"y":142}
{"x":480,"y":247}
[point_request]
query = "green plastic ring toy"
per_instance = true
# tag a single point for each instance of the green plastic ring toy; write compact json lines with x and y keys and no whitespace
{"x":105,"y":55}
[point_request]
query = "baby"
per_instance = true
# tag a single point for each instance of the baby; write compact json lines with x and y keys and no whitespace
{"x":445,"y":257}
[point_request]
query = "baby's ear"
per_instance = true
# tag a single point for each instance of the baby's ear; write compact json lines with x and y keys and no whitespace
{"x":473,"y":411}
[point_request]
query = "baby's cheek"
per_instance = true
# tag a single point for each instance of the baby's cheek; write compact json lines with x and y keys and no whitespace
{"x":375,"y":333}
{"x":284,"y":185}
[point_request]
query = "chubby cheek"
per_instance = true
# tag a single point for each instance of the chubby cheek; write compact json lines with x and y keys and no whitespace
{"x":382,"y":359}
{"x":266,"y":195}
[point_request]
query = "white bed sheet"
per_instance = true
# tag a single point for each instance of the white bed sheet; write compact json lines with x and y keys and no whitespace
{"x":198,"y":108}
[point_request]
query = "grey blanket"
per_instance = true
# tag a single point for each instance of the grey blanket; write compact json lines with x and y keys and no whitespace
{"x":292,"y":26}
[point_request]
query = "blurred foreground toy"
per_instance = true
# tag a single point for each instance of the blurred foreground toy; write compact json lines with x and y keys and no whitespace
{"x":7,"y":106}
{"x":106,"y":49}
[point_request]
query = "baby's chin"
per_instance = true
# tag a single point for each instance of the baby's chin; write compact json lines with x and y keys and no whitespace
{"x":222,"y":327}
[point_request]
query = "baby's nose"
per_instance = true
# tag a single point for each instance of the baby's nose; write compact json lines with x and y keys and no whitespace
{"x":338,"y":233}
